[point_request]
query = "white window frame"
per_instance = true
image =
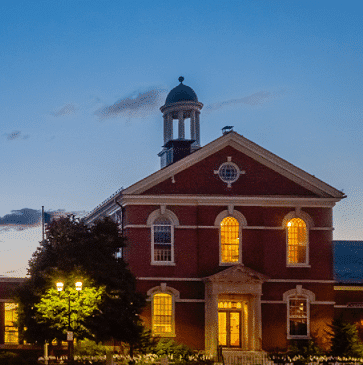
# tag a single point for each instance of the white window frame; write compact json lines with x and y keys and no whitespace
{"x":306,"y":295}
{"x":231,"y":212}
{"x":309,"y":224}
{"x":175,"y":295}
{"x":173,"y":219}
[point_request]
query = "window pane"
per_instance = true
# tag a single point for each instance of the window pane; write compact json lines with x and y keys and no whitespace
{"x":297,"y":241}
{"x":162,"y":314}
{"x":222,"y":328}
{"x":11,"y":316}
{"x":234,"y":323}
{"x":162,"y":239}
{"x":229,"y":240}
{"x":298,"y":317}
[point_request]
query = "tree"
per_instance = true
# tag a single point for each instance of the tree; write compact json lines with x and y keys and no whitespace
{"x":345,"y":339}
{"x":70,"y":247}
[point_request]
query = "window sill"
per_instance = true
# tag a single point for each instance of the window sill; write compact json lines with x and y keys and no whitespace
{"x":161,"y":263}
{"x":298,"y":266}
{"x":298,"y":337}
{"x":164,"y":335}
{"x":230,"y":263}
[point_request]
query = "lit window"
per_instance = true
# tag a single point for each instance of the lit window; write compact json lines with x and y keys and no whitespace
{"x":11,"y":317}
{"x":298,"y":317}
{"x":297,"y":242}
{"x":162,"y":237}
{"x":233,"y":324}
{"x":162,"y":317}
{"x":229,"y":240}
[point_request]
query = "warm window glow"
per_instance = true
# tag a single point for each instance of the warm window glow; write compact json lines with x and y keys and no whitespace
{"x":229,"y":240}
{"x":298,"y":316}
{"x":163,"y":314}
{"x":297,"y":241}
{"x":162,"y":240}
{"x":233,"y":324}
{"x":11,"y":316}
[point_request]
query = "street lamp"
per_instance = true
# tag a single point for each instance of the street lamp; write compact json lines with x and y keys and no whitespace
{"x":60,"y":287}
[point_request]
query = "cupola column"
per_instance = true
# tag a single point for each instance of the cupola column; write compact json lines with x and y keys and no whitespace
{"x":192,"y":125}
{"x":181,"y":133}
{"x":170,"y":127}
{"x":197,"y":128}
{"x":166,"y":129}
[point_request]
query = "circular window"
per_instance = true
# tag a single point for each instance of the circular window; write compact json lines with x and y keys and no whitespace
{"x":228,"y":172}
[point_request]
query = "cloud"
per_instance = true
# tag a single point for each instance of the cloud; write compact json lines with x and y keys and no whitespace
{"x":26,"y":218}
{"x":67,"y":109}
{"x":16,"y":135}
{"x":258,"y":98}
{"x":141,"y":105}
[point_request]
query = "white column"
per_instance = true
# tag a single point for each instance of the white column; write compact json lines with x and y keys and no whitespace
{"x":181,"y":133}
{"x":166,"y":131}
{"x":192,"y":125}
{"x":170,"y":126}
{"x":211,"y":320}
{"x":197,"y":129}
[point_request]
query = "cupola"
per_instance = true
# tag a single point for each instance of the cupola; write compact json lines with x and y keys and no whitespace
{"x":181,"y":104}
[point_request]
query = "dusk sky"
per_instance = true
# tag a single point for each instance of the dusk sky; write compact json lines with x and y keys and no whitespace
{"x":82,"y":82}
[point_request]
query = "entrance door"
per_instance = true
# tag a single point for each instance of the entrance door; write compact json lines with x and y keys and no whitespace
{"x":232,"y":324}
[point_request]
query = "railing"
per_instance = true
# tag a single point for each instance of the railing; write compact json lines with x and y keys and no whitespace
{"x":162,"y":254}
{"x":231,"y":357}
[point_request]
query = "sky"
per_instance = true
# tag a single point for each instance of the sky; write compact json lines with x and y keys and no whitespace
{"x":81,"y":84}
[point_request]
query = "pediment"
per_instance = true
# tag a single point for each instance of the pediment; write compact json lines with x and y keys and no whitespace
{"x":237,"y":274}
{"x":266,"y":174}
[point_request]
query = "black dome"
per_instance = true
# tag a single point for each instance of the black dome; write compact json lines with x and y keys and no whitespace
{"x":181,"y":93}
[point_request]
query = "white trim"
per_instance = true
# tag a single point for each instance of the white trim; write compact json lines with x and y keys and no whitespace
{"x":241,"y":223}
{"x":155,"y":278}
{"x":247,"y":147}
{"x":298,"y":266}
{"x":350,"y":287}
{"x":268,"y":200}
{"x":301,"y":281}
{"x":318,"y":302}
{"x":235,"y":214}
{"x":169,"y":291}
{"x":309,"y":296}
{"x":173,"y":219}
{"x":308,"y":221}
{"x":279,"y":228}
{"x":166,"y":213}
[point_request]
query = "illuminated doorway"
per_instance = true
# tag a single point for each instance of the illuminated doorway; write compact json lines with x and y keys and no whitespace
{"x":233,"y":324}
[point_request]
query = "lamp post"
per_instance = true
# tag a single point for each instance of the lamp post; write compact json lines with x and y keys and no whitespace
{"x":60,"y":287}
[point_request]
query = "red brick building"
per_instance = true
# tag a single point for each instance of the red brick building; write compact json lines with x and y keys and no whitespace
{"x":231,"y":243}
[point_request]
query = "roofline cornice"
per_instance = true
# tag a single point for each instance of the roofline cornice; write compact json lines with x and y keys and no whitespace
{"x":249,"y":148}
{"x":212,"y":200}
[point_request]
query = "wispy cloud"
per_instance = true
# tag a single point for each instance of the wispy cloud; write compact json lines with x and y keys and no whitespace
{"x":16,"y":135}
{"x":257,"y":98}
{"x":67,"y":109}
{"x":138,"y":105}
{"x":25,"y":218}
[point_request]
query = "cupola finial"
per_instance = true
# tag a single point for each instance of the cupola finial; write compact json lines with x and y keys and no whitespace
{"x":181,"y":79}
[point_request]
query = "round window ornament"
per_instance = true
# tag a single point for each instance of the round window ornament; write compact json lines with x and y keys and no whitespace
{"x":229,"y":172}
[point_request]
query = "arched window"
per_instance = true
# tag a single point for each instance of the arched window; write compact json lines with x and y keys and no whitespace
{"x":162,"y":241}
{"x":297,"y":242}
{"x":230,"y":245}
{"x":298,"y":316}
{"x":298,"y":312}
{"x":163,"y":323}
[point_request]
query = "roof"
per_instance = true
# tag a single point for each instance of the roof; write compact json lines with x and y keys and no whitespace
{"x":348,"y":261}
{"x":181,"y":93}
{"x":249,"y":148}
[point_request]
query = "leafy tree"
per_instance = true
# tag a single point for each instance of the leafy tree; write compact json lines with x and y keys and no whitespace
{"x":69,"y":308}
{"x":345,"y":339}
{"x":72,"y":247}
